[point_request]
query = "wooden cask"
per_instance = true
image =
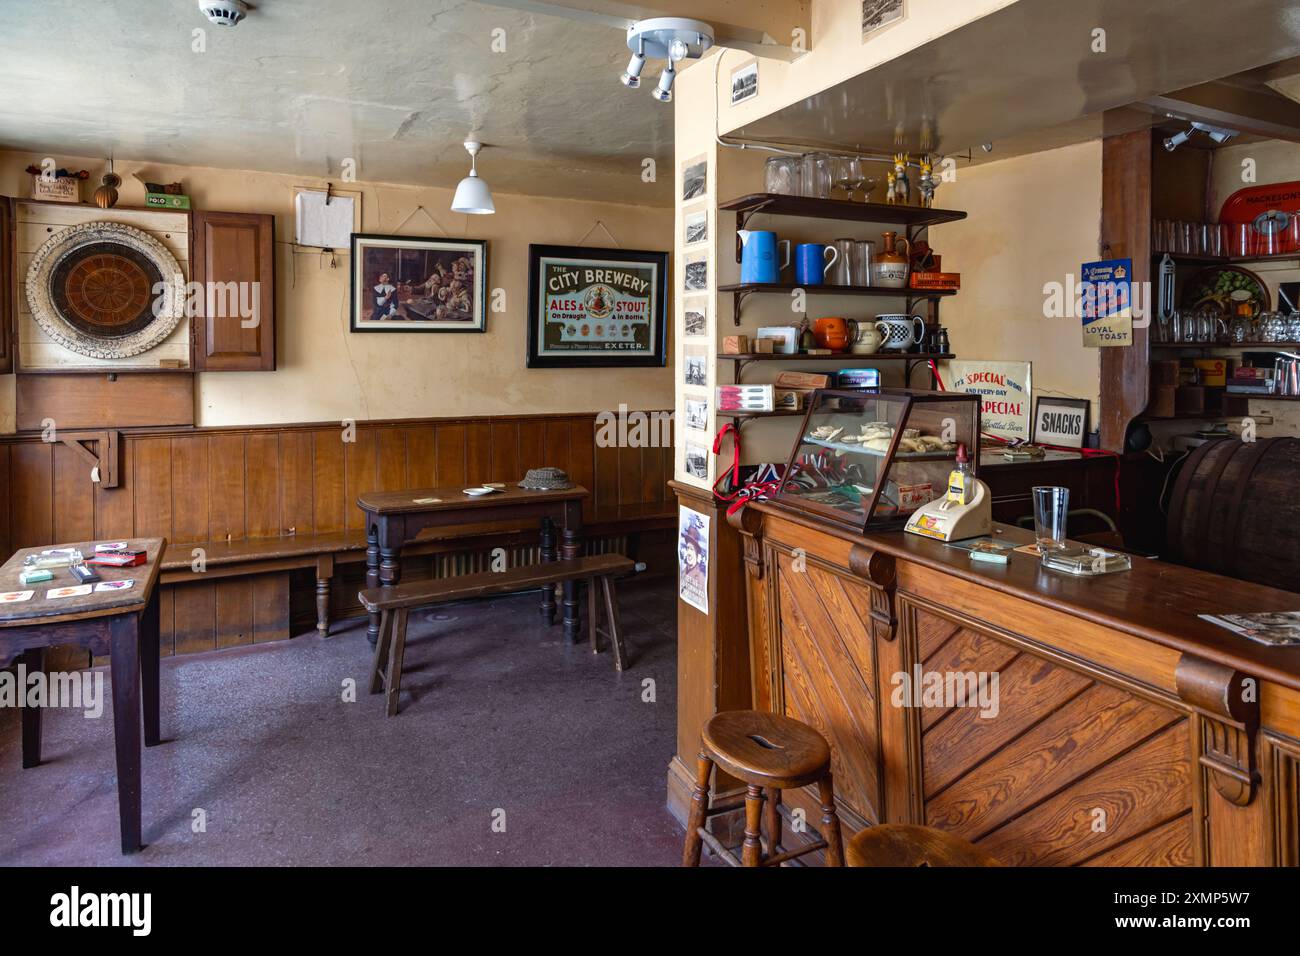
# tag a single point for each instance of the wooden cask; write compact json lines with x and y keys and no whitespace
{"x":1234,"y":510}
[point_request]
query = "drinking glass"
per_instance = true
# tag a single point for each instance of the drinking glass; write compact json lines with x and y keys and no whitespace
{"x":1051,"y":508}
{"x":842,"y":175}
{"x":858,"y":178}
{"x":815,"y":179}
{"x":781,"y":175}
{"x":1243,"y":239}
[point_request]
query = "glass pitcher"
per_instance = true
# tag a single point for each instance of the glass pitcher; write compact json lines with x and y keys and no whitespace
{"x":782,"y":175}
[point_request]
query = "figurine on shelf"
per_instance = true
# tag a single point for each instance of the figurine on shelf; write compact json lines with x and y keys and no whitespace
{"x":926,"y":183}
{"x":891,"y":189}
{"x":902,"y":186}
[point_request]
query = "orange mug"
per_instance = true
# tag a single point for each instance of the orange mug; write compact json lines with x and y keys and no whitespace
{"x":831,"y":333}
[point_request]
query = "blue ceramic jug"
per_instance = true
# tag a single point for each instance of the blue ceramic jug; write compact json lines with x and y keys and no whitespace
{"x":758,"y":256}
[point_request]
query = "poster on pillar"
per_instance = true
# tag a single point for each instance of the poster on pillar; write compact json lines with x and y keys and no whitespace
{"x":1106,"y":302}
{"x":693,"y":559}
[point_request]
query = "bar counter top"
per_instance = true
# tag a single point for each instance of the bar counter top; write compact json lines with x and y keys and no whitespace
{"x":1156,"y":601}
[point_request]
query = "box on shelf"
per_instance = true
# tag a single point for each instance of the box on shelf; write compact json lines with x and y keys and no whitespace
{"x":1189,"y":399}
{"x":786,"y":338}
{"x":735,"y":345}
{"x":789,"y":379}
{"x":789,"y":399}
{"x":167,"y":200}
{"x":857,"y":378}
{"x":936,"y":281}
{"x":745,"y":398}
{"x":1214,"y":371}
{"x":765,"y":346}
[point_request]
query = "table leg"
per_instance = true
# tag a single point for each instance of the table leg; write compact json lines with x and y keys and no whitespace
{"x":372,"y":577}
{"x":570,"y":550}
{"x":33,"y":660}
{"x":124,"y":656}
{"x":548,"y":555}
{"x":390,"y":566}
{"x":150,"y":661}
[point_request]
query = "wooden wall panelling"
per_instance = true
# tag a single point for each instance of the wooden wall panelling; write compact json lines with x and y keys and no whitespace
{"x":115,"y":507}
{"x":73,"y":496}
{"x":505,"y":452}
{"x":450,"y":443}
{"x":478,"y":453}
{"x":234,"y":607}
{"x":390,"y":460}
{"x":361,"y":465}
{"x":195,"y":617}
{"x":31,"y":507}
{"x":297,"y":498}
{"x":329,"y":481}
{"x":227,"y":473}
{"x":604,"y":488}
{"x":582,"y":460}
{"x":533,"y":452}
{"x":6,"y":501}
{"x":422,"y":456}
{"x":91,"y":400}
{"x":262,"y":485}
{"x":190,"y":484}
{"x":271,"y":607}
{"x":151,"y":486}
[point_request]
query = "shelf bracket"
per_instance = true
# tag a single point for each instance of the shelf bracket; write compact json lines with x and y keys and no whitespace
{"x":104,"y":461}
{"x":738,"y":300}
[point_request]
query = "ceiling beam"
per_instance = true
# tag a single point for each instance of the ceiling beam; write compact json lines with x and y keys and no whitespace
{"x":763,"y":29}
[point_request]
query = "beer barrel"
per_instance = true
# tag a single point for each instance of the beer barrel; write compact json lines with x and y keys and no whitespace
{"x":1235,"y":510}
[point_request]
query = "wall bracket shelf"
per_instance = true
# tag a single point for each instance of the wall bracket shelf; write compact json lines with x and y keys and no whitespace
{"x":741,"y":291}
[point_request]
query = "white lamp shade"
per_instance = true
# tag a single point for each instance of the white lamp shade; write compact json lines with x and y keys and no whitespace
{"x":473,"y":196}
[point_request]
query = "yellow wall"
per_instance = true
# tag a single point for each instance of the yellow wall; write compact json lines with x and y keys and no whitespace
{"x":1031,"y":220}
{"x":327,"y":373}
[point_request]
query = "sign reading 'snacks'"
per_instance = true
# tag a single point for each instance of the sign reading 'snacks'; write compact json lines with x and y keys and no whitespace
{"x":596,"y":307}
{"x":1004,"y":392}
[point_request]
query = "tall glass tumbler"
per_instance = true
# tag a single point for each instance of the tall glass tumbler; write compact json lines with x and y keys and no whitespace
{"x":1051,"y":508}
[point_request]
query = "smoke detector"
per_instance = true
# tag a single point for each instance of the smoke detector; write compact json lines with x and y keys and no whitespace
{"x":224,"y":13}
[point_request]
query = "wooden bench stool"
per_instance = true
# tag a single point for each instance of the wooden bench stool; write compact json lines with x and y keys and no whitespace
{"x":395,"y":603}
{"x":903,"y":844}
{"x":769,"y":752}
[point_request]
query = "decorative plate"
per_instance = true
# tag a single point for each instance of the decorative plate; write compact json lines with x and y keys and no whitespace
{"x":1214,"y":285}
{"x":105,"y":290}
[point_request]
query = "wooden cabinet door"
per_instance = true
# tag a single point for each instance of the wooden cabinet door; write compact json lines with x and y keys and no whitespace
{"x":233,"y":256}
{"x":8,"y":286}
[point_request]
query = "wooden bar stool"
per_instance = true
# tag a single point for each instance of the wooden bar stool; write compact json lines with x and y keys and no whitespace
{"x":769,"y":752}
{"x":903,"y":844}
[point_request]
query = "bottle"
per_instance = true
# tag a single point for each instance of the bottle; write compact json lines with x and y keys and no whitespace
{"x":961,"y":484}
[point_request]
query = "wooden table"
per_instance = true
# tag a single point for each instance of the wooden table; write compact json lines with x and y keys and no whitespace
{"x":394,"y":518}
{"x":122,"y":624}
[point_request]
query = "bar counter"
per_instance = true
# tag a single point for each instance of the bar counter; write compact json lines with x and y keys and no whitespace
{"x":1051,"y":720}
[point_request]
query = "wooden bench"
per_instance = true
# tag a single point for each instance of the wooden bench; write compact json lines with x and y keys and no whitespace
{"x":395,"y":603}
{"x":323,"y":552}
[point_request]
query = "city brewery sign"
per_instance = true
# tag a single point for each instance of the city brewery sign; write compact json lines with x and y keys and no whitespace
{"x":595,"y":307}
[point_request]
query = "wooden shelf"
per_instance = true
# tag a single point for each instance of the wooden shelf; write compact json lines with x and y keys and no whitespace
{"x":1263,"y":346}
{"x":835,"y":357}
{"x":773,"y":204}
{"x":743,"y":290}
{"x":1225,"y":260}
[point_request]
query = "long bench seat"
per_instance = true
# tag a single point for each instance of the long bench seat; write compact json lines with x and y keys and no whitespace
{"x":322,"y":552}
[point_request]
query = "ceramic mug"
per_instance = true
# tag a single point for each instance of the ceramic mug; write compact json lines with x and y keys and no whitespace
{"x":831,"y":333}
{"x":900,"y":332}
{"x":811,"y":264}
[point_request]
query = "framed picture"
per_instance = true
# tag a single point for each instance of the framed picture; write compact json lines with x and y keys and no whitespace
{"x":744,"y":82}
{"x":418,"y":284}
{"x":695,"y":365}
{"x":596,"y":308}
{"x":695,"y":316}
{"x":695,"y":277}
{"x":696,"y":413}
{"x":695,"y":226}
{"x":1061,"y":421}
{"x":695,"y":178}
{"x":877,"y":14}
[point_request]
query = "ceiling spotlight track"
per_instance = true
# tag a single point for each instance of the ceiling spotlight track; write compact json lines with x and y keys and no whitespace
{"x":1219,"y":134}
{"x":671,"y":39}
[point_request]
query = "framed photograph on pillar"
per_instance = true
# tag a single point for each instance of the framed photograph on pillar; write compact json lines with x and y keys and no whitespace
{"x":596,"y":308}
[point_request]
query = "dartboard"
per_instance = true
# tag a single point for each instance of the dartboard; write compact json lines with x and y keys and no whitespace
{"x":105,"y":290}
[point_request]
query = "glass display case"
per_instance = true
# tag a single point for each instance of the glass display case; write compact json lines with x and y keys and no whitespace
{"x":867,"y":460}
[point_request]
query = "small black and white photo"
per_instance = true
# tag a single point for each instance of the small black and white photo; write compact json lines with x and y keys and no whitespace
{"x":695,"y":316}
{"x":880,"y":13}
{"x":697,"y":461}
{"x":744,"y":83}
{"x":695,"y":365}
{"x":696,"y":413}
{"x":696,"y":226}
{"x":696,"y":273}
{"x":695,"y":179}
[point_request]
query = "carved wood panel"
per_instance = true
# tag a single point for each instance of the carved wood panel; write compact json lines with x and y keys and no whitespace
{"x":1046,"y":766}
{"x":828,"y":673}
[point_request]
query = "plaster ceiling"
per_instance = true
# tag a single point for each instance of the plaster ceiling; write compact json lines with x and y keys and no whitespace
{"x":300,"y":85}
